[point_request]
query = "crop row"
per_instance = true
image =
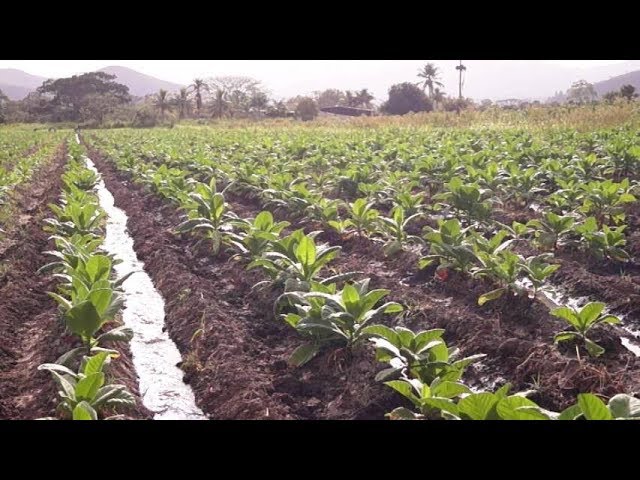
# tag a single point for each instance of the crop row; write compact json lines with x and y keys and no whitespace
{"x":421,"y":366}
{"x":20,"y":157}
{"x":89,"y":298}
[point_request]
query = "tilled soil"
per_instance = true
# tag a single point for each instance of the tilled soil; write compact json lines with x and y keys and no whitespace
{"x":237,"y":366}
{"x":236,"y":362}
{"x":31,"y":332}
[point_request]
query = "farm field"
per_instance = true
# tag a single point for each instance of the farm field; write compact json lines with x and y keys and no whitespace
{"x":325,"y":272}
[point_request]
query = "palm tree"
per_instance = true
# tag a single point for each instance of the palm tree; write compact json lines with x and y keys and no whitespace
{"x":220,"y":103}
{"x":162,"y":102}
{"x":363,"y":98}
{"x":430,"y":74}
{"x":198,"y":86}
{"x":183,"y":103}
{"x":351,"y":99}
{"x":438,"y":96}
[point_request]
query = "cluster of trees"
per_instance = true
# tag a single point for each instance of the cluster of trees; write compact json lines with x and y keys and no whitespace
{"x":93,"y":97}
{"x":626,"y":92}
{"x":583,"y":92}
{"x":80,"y":98}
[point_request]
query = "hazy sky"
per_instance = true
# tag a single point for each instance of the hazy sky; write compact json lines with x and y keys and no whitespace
{"x":495,"y":79}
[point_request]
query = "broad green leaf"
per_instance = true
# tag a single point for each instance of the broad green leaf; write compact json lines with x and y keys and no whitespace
{"x":98,"y":267}
{"x":571,"y":413}
{"x":508,"y":409}
{"x":449,"y":389}
{"x":383,"y":332}
{"x":567,"y":314}
{"x":624,"y":406}
{"x":611,"y":319}
{"x":492,"y":295}
{"x":442,"y":404}
{"x":590,"y":313}
{"x":95,"y":363}
{"x":351,"y":299}
{"x":84,"y":411}
{"x":83,"y":319}
{"x":306,"y":251}
{"x":478,"y":406}
{"x":593,"y":408}
{"x":303,"y":354}
{"x":593,"y":348}
{"x":87,"y":388}
{"x":566,"y":336}
{"x":404,"y":388}
{"x":118,"y":334}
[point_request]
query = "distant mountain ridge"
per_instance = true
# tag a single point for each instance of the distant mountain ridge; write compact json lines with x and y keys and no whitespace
{"x":140,"y":84}
{"x":612,"y":84}
{"x":17,"y":84}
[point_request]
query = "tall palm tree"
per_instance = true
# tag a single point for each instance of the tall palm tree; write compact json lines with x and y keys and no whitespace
{"x":363,"y":98}
{"x":183,"y":103}
{"x":162,"y":102}
{"x":438,"y":96}
{"x":198,"y":86}
{"x":431,"y":78}
{"x":351,"y":98}
{"x":220,"y":103}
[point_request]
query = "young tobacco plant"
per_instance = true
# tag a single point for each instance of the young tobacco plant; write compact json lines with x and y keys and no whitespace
{"x":256,"y":234}
{"x":326,"y":316}
{"x":395,"y":230}
{"x":92,"y":300}
{"x":605,"y":243}
{"x":450,"y":245}
{"x":208,"y":213}
{"x":363,"y":216}
{"x":582,"y":321}
{"x":551,"y":229}
{"x":85,"y":393}
{"x":537,"y":270}
{"x":295,"y":261}
{"x":467,"y":200}
{"x":423,"y":355}
{"x":469,"y":406}
{"x":504,"y":269}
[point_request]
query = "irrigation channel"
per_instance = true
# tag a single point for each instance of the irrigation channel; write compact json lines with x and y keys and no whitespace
{"x":155,"y":356}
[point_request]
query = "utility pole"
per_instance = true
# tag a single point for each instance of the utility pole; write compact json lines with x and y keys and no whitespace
{"x":460,"y":68}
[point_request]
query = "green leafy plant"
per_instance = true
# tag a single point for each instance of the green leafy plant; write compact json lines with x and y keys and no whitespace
{"x":363,"y":216}
{"x":467,"y":200}
{"x":340,"y":317}
{"x":503,"y":268}
{"x":582,"y":321}
{"x":395,"y":230}
{"x":606,"y":243}
{"x":590,"y":407}
{"x":423,"y":355}
{"x":295,"y":261}
{"x":256,"y":235}
{"x":207,"y":213}
{"x":537,"y":270}
{"x":550,"y":229}
{"x":85,"y":393}
{"x":450,"y":245}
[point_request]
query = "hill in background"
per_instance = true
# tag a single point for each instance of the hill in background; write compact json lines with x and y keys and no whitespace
{"x":17,"y":84}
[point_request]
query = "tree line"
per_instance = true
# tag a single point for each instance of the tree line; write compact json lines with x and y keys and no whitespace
{"x":92,"y":98}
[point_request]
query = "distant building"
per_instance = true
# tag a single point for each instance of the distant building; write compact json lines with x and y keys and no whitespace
{"x":350,"y":111}
{"x":510,"y":102}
